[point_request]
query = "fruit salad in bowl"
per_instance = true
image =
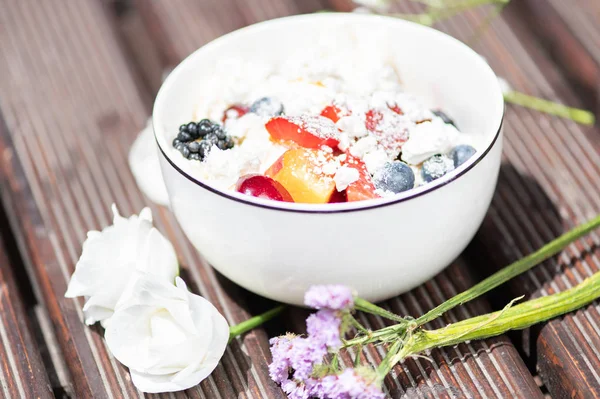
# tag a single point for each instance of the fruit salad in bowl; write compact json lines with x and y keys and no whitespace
{"x":336,"y":144}
{"x":330,"y":148}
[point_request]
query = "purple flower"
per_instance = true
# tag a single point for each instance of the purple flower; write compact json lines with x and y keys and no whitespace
{"x":281,"y":348}
{"x":295,"y":355}
{"x":324,"y":326}
{"x":295,"y":390}
{"x":306,"y":353}
{"x":335,"y":297}
{"x":347,"y":385}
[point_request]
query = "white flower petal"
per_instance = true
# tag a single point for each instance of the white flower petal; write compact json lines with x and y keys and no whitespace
{"x":145,"y":166}
{"x":170,"y":382}
{"x":111,"y":258}
{"x":159,"y":257}
{"x":169,"y":338}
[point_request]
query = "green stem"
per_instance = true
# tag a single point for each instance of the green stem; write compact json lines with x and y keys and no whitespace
{"x":245,"y":326}
{"x":516,"y":317}
{"x":441,"y":12}
{"x":514,"y":269}
{"x":389,"y":360}
{"x":378,"y":335}
{"x":357,"y":358}
{"x":578,"y":115}
{"x":368,"y":307}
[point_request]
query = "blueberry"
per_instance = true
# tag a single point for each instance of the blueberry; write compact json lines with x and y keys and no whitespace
{"x":179,"y":146}
{"x":195,"y":157}
{"x":443,"y":116}
{"x":225,"y":144}
{"x":436,"y":167}
{"x":218,"y":130}
{"x":229,"y":142}
{"x":211,"y":138}
{"x":267,"y":106}
{"x":205,"y":126}
{"x":185,"y":151}
{"x":184,"y":137}
{"x":192,"y":129}
{"x":176,"y":142}
{"x":395,"y":177}
{"x":461,"y":153}
{"x":205,"y":147}
{"x":194,"y":147}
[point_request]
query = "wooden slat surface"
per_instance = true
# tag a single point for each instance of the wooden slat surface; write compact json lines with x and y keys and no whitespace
{"x":71,"y":110}
{"x":549,"y":182}
{"x":22,"y":372}
{"x":488,"y":369}
{"x":570,"y":32}
{"x":71,"y":107}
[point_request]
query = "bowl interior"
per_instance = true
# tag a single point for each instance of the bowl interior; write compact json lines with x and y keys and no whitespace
{"x":442,"y":70}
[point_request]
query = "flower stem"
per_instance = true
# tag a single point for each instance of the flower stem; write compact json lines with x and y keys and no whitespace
{"x":368,"y":307}
{"x":245,"y":326}
{"x":390,"y":359}
{"x":516,"y":317}
{"x":578,"y":115}
{"x":511,"y":271}
{"x":381,"y":335}
{"x":441,"y":11}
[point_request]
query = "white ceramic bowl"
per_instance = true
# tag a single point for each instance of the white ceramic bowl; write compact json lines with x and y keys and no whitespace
{"x":379,"y":247}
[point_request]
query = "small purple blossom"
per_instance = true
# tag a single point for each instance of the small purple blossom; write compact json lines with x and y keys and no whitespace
{"x":281,"y":348}
{"x":334,"y":297}
{"x":347,"y":385}
{"x":296,"y":355}
{"x":306,"y":353}
{"x":324,"y":326}
{"x":295,"y":390}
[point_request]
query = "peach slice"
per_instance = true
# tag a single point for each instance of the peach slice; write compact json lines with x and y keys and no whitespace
{"x":299,"y":171}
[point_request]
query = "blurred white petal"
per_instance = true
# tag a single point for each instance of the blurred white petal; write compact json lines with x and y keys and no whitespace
{"x":110,"y":259}
{"x":145,"y":166}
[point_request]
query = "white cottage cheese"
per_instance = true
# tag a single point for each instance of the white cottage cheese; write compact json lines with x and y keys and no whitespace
{"x":378,"y":122}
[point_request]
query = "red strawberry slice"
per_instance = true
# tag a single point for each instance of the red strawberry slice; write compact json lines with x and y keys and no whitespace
{"x":334,"y":113}
{"x":363,"y":188}
{"x":390,"y":129}
{"x":306,"y":131}
{"x":373,"y":119}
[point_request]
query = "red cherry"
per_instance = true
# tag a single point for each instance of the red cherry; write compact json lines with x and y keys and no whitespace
{"x":263,"y":187}
{"x":338,"y":196}
{"x":234,"y":112}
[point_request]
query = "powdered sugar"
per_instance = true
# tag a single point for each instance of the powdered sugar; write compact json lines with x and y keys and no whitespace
{"x":344,"y":177}
{"x":316,"y":125}
{"x":378,"y":122}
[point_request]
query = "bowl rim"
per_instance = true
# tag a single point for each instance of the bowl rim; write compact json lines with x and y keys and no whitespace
{"x":329,"y":207}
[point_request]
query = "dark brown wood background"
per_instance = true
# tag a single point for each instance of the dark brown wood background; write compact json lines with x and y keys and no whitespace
{"x":76,"y":85}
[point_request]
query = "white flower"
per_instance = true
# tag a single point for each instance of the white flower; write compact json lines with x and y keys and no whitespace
{"x":145,"y":166}
{"x":110,"y":259}
{"x":169,"y":338}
